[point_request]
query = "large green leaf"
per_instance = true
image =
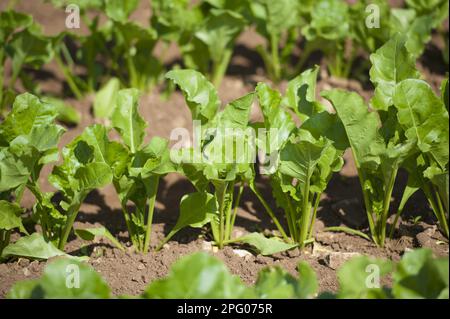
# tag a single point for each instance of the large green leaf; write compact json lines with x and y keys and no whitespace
{"x":391,"y":64}
{"x":201,"y":96}
{"x":299,"y":160}
{"x":126,"y":119}
{"x":106,"y":98}
{"x":34,"y":247}
{"x":361,"y":126}
{"x":424,"y":118}
{"x":10,"y":216}
{"x":196,"y":210}
{"x":419,"y":275}
{"x":263,"y":245}
{"x":120,"y":10}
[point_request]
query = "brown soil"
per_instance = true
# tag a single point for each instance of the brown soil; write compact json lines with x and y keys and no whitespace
{"x":129,"y":273}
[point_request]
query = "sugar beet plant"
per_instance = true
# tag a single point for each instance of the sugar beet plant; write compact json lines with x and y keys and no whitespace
{"x":205,"y":32}
{"x":222,"y":157}
{"x":408,"y":128}
{"x":301,"y":160}
{"x":138,"y":167}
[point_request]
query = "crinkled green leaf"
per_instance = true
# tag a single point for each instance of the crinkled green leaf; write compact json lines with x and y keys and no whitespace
{"x":391,"y":64}
{"x":200,"y":94}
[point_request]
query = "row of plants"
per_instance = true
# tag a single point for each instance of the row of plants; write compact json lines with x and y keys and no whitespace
{"x":417,"y":275}
{"x":119,"y":52}
{"x":405,"y":127}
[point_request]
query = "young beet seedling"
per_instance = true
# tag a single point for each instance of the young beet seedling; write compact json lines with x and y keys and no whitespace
{"x":303,"y":158}
{"x":222,"y":159}
{"x":138,"y":168}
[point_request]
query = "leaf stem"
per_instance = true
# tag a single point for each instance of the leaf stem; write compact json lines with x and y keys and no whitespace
{"x":151,"y":208}
{"x":269,"y":212}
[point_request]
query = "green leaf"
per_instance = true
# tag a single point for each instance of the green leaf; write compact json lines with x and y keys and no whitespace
{"x":196,"y":210}
{"x":10,"y":216}
{"x":201,"y":96}
{"x":64,"y":279}
{"x":93,"y":175}
{"x":361,"y":126}
{"x":419,"y":275}
{"x":299,"y":160}
{"x":301,"y":94}
{"x":65,"y":113}
{"x":424,"y":118}
{"x":91,"y":234}
{"x":360,"y":278}
{"x":105,"y":99}
{"x":120,"y":10}
{"x":33,"y":247}
{"x":219,"y":31}
{"x":329,"y":21}
{"x":126,"y":119}
{"x":275,"y":283}
{"x":391,"y":64}
{"x":275,"y":117}
{"x":29,"y":48}
{"x":23,"y":289}
{"x":198,"y":276}
{"x":263,"y":245}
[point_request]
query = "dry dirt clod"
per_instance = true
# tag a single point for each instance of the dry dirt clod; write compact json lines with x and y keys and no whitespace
{"x":334,"y":260}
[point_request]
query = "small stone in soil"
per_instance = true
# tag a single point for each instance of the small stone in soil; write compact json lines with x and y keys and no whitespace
{"x":242,"y":253}
{"x":141,"y":266}
{"x":26,"y":272}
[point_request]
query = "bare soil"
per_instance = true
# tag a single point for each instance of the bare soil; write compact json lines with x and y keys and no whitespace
{"x":129,"y":272}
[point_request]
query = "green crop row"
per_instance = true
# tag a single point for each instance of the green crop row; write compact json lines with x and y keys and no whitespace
{"x":417,"y":275}
{"x":405,"y":127}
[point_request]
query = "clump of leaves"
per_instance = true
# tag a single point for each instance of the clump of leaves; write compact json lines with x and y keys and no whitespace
{"x":204,"y":32}
{"x":302,"y":159}
{"x":418,"y":275}
{"x":403,"y":125}
{"x":222,"y":158}
{"x":279,"y":23}
{"x":137,"y":168}
{"x":28,"y":140}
